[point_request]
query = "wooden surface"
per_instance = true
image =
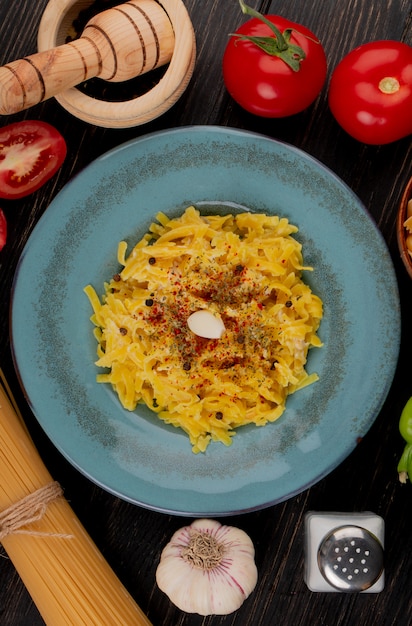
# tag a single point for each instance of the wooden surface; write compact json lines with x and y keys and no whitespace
{"x":131,"y":538}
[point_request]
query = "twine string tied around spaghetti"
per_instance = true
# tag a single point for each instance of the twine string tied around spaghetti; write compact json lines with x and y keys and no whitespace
{"x":15,"y":519}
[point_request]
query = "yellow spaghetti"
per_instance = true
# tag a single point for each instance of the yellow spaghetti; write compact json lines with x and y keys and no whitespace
{"x":66,"y":575}
{"x":245,"y":269}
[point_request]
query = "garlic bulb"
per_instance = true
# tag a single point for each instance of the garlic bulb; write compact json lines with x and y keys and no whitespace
{"x":208,"y":568}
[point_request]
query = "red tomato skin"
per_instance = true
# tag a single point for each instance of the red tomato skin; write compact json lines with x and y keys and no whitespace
{"x":265,"y":85}
{"x":357,"y":103}
{"x":3,"y":230}
{"x":29,"y":134}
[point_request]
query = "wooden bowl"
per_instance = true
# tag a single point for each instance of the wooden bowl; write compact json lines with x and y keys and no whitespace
{"x":55,"y":25}
{"x":401,"y":231}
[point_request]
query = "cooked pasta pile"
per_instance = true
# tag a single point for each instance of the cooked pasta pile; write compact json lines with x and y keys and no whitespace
{"x":245,"y":269}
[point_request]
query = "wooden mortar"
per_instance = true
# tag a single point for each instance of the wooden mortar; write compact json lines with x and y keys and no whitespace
{"x":116,"y":45}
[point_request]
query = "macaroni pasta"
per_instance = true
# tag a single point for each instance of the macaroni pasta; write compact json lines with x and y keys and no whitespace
{"x":245,"y":269}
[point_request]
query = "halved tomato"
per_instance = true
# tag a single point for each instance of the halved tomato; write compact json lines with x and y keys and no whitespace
{"x":3,"y":230}
{"x":31,"y":152}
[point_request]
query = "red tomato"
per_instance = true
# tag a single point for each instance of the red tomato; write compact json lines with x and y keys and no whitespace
{"x":30,"y":153}
{"x":3,"y":230}
{"x":266,"y":85}
{"x":370,"y":92}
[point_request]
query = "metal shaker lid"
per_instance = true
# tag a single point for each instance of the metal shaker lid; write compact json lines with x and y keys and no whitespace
{"x":350,"y":558}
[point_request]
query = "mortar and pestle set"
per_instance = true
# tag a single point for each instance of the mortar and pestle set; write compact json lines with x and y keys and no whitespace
{"x":116,"y":45}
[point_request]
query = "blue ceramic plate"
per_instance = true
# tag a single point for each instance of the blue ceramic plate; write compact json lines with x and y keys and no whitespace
{"x":134,"y":455}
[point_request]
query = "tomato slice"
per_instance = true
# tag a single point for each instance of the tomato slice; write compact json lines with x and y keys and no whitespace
{"x":31,"y":152}
{"x":3,"y":230}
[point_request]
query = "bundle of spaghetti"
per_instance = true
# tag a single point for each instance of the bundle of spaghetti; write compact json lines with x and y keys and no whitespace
{"x":66,"y":575}
{"x":247,"y":270}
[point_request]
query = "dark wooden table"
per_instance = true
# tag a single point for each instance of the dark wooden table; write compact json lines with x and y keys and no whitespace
{"x":131,"y":537}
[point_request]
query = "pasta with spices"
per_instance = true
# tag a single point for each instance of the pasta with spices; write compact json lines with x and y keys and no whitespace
{"x":245,"y":270}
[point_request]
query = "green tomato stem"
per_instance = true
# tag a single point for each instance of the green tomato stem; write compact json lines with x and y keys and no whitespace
{"x":282,"y":45}
{"x":279,"y":45}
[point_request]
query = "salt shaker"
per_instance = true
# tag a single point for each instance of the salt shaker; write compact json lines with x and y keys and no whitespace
{"x":344,"y":552}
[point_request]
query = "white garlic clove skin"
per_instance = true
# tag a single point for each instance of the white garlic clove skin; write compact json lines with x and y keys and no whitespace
{"x":208,"y":568}
{"x":205,"y":324}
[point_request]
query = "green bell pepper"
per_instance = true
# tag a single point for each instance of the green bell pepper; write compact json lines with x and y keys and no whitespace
{"x":405,"y":428}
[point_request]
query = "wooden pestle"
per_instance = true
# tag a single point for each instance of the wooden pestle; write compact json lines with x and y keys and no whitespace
{"x":116,"y":45}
